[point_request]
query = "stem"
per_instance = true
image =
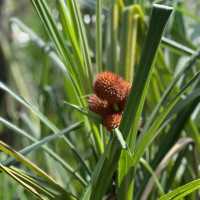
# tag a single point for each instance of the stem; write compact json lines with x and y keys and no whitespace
{"x":99,"y":35}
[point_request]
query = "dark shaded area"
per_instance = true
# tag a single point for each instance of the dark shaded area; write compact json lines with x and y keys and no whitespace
{"x":4,"y":136}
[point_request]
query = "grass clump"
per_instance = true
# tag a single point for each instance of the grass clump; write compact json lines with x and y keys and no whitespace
{"x":102,"y":102}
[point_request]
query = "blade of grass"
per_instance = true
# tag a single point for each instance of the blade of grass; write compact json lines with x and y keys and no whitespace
{"x":43,"y":118}
{"x":28,"y":187}
{"x":151,"y":133}
{"x":31,"y":107}
{"x":179,"y":146}
{"x":8,"y":150}
{"x":177,"y":47}
{"x":191,"y":62}
{"x":131,"y":116}
{"x":160,"y":15}
{"x":84,"y":111}
{"x":132,"y":18}
{"x":99,"y":35}
{"x":77,"y":18}
{"x":32,"y":183}
{"x":97,"y":120}
{"x":54,"y":155}
{"x":40,"y":43}
{"x":153,"y":174}
{"x":46,"y":140}
{"x":182,"y":191}
{"x":69,"y":32}
{"x":113,"y":56}
{"x":68,"y":28}
{"x":52,"y":30}
{"x":38,"y":185}
{"x":50,"y":25}
{"x":81,"y":34}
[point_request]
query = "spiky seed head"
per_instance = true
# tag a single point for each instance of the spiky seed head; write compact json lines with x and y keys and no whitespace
{"x":112,"y":121}
{"x":127,"y":87}
{"x":111,"y":93}
{"x":98,"y":105}
{"x":109,"y":86}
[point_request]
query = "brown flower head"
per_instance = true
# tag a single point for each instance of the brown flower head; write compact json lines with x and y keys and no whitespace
{"x":108,"y":86}
{"x":111,"y":93}
{"x":112,"y":121}
{"x":98,"y":105}
{"x":127,"y":87}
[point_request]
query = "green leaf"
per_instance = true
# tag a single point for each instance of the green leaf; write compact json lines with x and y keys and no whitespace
{"x":131,"y":116}
{"x":181,"y":192}
{"x":159,"y":17}
{"x":188,"y":66}
{"x":99,"y":35}
{"x":68,"y":23}
{"x":179,"y":146}
{"x":43,"y":118}
{"x":99,"y":185}
{"x":40,"y":43}
{"x":131,"y":21}
{"x":34,"y":185}
{"x":84,"y":111}
{"x":52,"y":30}
{"x":153,"y":174}
{"x":77,"y":18}
{"x":148,"y":136}
{"x":176,"y":47}
{"x":54,"y":155}
{"x":34,"y":168}
{"x":30,"y":106}
{"x":120,"y":138}
{"x":25,"y":185}
{"x":48,"y":139}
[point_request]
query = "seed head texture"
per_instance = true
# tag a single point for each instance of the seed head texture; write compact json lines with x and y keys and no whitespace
{"x":98,"y":105}
{"x":112,"y":121}
{"x":110,"y":92}
{"x":109,"y":86}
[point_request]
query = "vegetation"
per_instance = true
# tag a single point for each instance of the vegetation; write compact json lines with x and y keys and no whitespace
{"x":53,"y":146}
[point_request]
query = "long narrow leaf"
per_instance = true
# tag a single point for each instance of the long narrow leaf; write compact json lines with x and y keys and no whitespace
{"x":132,"y":114}
{"x":182,"y":191}
{"x":151,"y":133}
{"x":55,"y":156}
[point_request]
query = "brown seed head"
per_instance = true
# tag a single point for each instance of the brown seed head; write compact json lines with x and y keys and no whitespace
{"x":111,"y":93}
{"x":112,"y":121}
{"x":98,"y":105}
{"x":109,"y":86}
{"x":127,"y":87}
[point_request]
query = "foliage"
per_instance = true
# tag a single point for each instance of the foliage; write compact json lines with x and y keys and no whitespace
{"x":58,"y":149}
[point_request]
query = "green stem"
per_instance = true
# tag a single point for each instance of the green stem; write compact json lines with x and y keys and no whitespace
{"x":99,"y":35}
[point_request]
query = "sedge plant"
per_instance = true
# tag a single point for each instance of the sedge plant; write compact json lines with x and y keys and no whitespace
{"x":74,"y":141}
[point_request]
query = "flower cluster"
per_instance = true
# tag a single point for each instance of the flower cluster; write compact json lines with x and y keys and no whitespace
{"x":111,"y":93}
